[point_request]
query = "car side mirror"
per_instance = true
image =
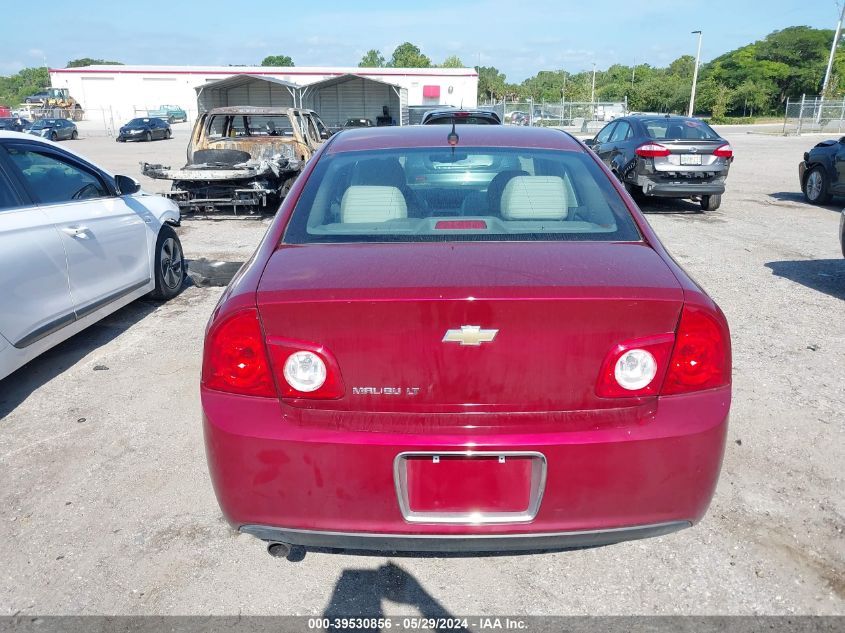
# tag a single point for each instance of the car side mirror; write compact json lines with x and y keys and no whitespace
{"x":590,"y":142}
{"x":126,"y":186}
{"x":324,"y":134}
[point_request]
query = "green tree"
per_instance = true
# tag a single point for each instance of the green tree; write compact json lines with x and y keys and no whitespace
{"x":17,"y":87}
{"x":407,"y":55}
{"x":453,"y":61}
{"x":277,"y":60}
{"x":491,"y":83}
{"x":88,"y":61}
{"x":372,"y":59}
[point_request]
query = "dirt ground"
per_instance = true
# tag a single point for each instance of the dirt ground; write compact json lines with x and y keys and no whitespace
{"x":106,"y":506}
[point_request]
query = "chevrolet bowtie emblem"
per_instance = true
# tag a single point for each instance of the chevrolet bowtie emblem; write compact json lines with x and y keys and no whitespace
{"x":470,"y":335}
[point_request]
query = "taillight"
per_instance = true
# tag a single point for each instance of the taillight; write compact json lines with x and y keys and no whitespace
{"x":724,"y":151}
{"x":650,"y":150}
{"x":235,"y":357}
{"x":635,"y":368}
{"x":305,"y":370}
{"x":701,"y":356}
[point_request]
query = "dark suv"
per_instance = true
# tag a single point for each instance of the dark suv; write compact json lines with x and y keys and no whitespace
{"x":666,"y":156}
{"x":461,"y":116}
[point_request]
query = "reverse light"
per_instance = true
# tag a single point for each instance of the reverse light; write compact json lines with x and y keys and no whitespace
{"x":308,"y":370}
{"x":652,"y":150}
{"x":724,"y":151}
{"x":635,"y":368}
{"x":701,"y":358}
{"x":305,"y":371}
{"x":235,"y":358}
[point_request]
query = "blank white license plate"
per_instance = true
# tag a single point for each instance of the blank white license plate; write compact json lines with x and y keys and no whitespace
{"x":690,"y":159}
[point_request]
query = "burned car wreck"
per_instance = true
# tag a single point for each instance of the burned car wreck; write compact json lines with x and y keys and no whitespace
{"x":242,"y":159}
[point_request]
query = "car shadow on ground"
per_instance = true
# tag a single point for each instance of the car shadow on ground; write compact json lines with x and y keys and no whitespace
{"x":671,"y":206}
{"x":359,"y":593}
{"x":206,"y":273}
{"x":20,"y":384}
{"x":798,"y":197}
{"x":824,"y":275}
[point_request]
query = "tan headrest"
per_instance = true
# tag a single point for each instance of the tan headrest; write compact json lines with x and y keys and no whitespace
{"x":362,"y":203}
{"x":535,"y":198}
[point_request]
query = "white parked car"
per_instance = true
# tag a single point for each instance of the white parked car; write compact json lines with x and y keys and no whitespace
{"x":76,"y":244}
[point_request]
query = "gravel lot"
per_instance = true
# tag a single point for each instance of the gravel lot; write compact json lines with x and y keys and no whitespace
{"x":106,"y":506}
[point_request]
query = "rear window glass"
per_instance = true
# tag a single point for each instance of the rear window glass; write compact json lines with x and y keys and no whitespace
{"x":678,"y":129}
{"x":476,"y":194}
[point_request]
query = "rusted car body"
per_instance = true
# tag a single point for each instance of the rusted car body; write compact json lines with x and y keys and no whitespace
{"x":243,"y":158}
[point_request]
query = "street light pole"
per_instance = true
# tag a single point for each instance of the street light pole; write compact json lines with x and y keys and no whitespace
{"x":833,"y":50}
{"x":593,"y":89}
{"x":695,"y":75}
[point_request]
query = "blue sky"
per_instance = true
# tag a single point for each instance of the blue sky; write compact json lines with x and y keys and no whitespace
{"x":519,"y":37}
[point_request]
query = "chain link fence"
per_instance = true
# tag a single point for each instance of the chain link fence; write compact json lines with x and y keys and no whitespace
{"x":583,"y":117}
{"x":814,"y":114}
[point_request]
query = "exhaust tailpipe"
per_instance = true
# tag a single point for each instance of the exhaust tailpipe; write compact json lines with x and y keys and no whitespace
{"x":279,"y":550}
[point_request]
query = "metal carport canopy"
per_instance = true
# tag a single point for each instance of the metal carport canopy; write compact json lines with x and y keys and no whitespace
{"x":351,"y":96}
{"x":251,"y":90}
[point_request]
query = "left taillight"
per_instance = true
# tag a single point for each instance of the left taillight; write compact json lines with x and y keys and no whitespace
{"x":235,"y":359}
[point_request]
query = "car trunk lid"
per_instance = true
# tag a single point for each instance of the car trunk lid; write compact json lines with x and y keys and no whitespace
{"x":445,"y":327}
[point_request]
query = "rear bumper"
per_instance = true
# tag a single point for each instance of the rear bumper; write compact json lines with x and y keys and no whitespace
{"x":283,"y":479}
{"x":663,"y":188}
{"x":457,"y":544}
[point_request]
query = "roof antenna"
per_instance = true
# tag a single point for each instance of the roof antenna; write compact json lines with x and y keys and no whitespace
{"x":453,"y":137}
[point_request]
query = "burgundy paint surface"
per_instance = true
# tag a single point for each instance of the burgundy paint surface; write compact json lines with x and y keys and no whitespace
{"x":381,"y":311}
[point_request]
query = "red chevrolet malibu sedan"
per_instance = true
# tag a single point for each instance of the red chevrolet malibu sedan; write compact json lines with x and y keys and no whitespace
{"x":462,"y":341}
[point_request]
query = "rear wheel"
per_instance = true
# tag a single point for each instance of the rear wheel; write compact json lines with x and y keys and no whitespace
{"x":168,"y":134}
{"x":169,"y":264}
{"x":711,"y":203}
{"x":74,"y":136}
{"x":815,"y":186}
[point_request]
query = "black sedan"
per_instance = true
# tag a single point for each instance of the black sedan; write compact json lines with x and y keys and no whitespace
{"x":144,"y":129}
{"x":822,"y":172}
{"x":666,"y":156}
{"x":362,"y":122}
{"x":14,"y":124}
{"x":461,"y":116}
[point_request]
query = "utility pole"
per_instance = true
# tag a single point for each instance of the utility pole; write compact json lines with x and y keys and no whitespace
{"x":695,"y":75}
{"x":833,"y":50}
{"x":593,"y":89}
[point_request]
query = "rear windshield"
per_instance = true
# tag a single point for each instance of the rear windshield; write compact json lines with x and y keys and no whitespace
{"x":679,"y":129}
{"x":476,"y":194}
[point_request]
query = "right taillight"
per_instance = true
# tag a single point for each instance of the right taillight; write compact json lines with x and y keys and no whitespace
{"x":650,"y":150}
{"x":235,"y":358}
{"x":724,"y":151}
{"x":701,"y":355}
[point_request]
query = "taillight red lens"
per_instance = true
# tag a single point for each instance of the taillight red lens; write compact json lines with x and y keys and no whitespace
{"x":701,"y":358}
{"x":281,"y":351}
{"x":235,"y":357}
{"x":650,"y":150}
{"x":724,"y":151}
{"x":659,"y":346}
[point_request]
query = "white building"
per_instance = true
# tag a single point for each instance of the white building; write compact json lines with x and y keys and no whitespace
{"x":120,"y":92}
